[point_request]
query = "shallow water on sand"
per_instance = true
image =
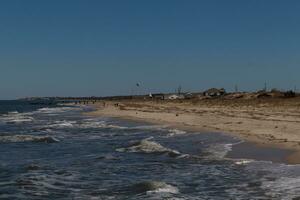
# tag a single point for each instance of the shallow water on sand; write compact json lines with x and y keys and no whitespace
{"x":57,"y":153}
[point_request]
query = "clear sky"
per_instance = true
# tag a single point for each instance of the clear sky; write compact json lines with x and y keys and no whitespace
{"x":98,"y":47}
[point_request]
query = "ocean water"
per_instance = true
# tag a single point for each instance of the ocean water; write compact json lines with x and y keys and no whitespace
{"x":59,"y":153}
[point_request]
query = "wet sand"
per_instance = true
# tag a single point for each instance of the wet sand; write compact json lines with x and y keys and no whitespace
{"x":272,"y":127}
{"x":254,"y":151}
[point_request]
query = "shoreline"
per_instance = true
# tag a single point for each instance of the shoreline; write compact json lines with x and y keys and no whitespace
{"x":186,"y":117}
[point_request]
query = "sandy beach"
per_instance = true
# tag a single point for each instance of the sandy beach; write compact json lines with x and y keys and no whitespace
{"x":266,"y":122}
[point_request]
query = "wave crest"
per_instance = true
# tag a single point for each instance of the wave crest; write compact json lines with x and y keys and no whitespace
{"x":28,"y":138}
{"x":48,"y":110}
{"x":150,"y":187}
{"x":147,"y":146}
{"x":15,"y":117}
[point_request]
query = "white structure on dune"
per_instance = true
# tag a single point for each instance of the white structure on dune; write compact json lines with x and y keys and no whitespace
{"x":174,"y":96}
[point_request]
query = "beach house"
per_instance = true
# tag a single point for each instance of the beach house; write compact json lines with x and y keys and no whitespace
{"x":214,"y":92}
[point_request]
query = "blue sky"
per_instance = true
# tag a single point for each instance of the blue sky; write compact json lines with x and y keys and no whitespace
{"x":85,"y":48}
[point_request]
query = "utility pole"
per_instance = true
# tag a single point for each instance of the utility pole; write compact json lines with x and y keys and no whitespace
{"x":265,"y":88}
{"x":179,"y":89}
{"x":236,"y":88}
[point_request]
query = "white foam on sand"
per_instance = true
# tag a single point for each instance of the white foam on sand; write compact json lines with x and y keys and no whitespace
{"x":150,"y":127}
{"x":175,"y":132}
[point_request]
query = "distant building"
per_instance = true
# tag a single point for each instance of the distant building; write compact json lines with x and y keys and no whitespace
{"x":189,"y":95}
{"x":214,"y":92}
{"x":158,"y":96}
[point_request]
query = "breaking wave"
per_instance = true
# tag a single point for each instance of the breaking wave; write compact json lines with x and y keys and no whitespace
{"x":27,"y":138}
{"x":98,"y":124}
{"x":243,"y":161}
{"x":150,"y":187}
{"x":83,"y":125}
{"x":57,"y":110}
{"x":62,"y":124}
{"x":15,"y":117}
{"x":148,"y":147}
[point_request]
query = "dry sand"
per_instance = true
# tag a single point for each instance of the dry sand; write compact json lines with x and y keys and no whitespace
{"x":274,"y":122}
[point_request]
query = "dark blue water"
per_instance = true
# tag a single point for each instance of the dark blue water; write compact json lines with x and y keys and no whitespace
{"x":58,"y":153}
{"x":23,"y":106}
